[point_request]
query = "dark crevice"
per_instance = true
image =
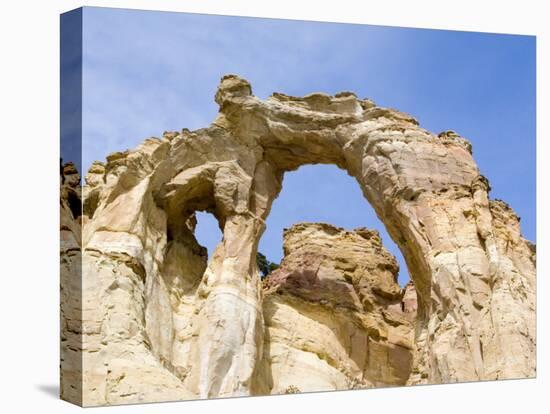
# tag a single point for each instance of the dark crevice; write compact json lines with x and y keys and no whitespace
{"x":75,"y":204}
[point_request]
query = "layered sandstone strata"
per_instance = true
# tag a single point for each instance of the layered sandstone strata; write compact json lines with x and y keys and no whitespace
{"x":333,"y":313}
{"x":159,"y":322}
{"x":71,"y":351}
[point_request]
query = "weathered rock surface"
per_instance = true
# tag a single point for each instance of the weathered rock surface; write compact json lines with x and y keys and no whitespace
{"x":410,"y":300}
{"x":160,"y":323}
{"x":71,"y":350}
{"x":333,"y":313}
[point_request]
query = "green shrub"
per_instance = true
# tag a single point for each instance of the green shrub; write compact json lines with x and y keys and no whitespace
{"x":265,"y":266}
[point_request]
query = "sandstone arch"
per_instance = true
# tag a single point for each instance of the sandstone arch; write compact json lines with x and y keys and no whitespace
{"x":474,"y":273}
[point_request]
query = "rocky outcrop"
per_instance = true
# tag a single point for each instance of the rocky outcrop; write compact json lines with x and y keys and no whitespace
{"x":160,"y":323}
{"x":71,"y":350}
{"x":333,"y":314}
{"x":410,"y":301}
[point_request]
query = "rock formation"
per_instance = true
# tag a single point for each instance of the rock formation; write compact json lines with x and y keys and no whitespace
{"x":71,"y":284}
{"x":333,"y":314}
{"x":154,"y":320}
{"x":410,"y":301}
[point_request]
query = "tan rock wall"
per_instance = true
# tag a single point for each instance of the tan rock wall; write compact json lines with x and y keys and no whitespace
{"x":71,"y":338}
{"x":333,"y":313}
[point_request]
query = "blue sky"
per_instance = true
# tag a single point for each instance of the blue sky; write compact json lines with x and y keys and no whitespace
{"x":147,"y":72}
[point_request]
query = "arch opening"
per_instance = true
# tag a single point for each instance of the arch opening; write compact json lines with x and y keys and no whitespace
{"x":339,"y":271}
{"x":323,"y":193}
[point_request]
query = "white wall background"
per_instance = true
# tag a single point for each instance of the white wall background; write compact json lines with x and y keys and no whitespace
{"x":29,"y":156}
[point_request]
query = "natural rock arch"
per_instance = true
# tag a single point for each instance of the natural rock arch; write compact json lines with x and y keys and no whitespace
{"x":473,"y":272}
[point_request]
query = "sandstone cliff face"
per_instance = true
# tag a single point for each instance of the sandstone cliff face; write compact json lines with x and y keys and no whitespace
{"x":160,"y":323}
{"x":333,"y":313}
{"x":71,"y":284}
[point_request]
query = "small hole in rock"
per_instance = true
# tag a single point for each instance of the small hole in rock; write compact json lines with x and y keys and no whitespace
{"x":207,"y":232}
